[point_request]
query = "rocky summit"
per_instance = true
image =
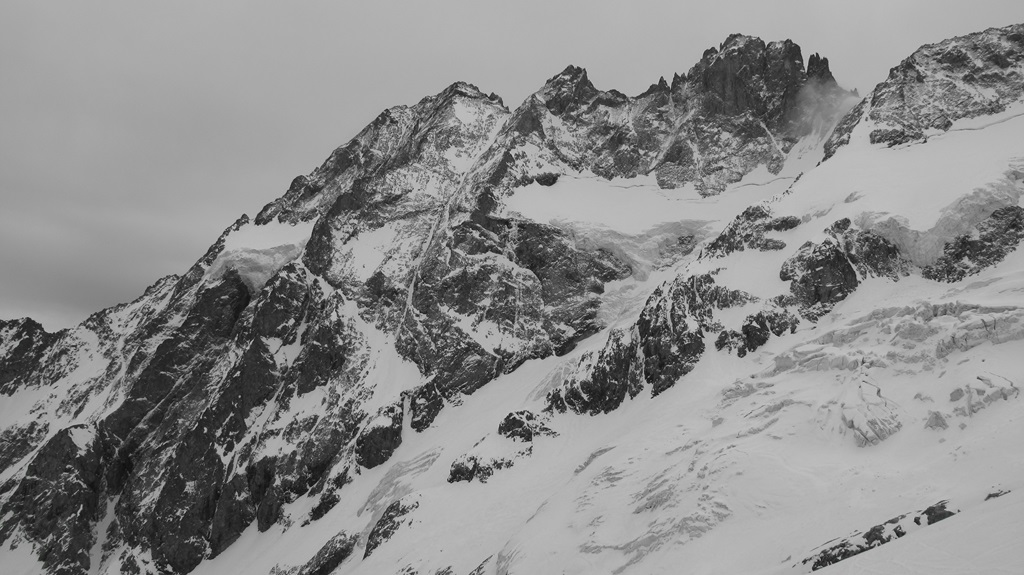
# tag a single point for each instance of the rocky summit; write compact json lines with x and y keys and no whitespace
{"x":597,"y":333}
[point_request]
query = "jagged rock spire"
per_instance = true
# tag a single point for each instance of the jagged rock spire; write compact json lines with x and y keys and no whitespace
{"x":817,"y":67}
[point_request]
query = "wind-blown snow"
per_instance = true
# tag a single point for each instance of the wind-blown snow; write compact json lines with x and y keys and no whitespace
{"x":257,"y":252}
{"x":270,"y":235}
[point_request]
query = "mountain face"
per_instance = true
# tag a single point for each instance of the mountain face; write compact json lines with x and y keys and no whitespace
{"x":596,"y":333}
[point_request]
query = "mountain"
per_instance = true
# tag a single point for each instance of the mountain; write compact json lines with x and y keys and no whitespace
{"x":738,"y":323}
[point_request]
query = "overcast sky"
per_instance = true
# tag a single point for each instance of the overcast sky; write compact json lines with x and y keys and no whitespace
{"x":132,"y":133}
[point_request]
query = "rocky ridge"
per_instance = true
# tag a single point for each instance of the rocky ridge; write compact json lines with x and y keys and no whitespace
{"x":979,"y":74}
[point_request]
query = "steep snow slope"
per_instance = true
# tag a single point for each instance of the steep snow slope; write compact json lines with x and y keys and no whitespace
{"x":595,"y":334}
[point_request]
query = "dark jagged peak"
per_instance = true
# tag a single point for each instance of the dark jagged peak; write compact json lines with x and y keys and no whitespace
{"x":22,"y":345}
{"x":678,"y":80}
{"x":737,"y":41}
{"x":968,"y":76}
{"x":19,"y":325}
{"x":661,"y":87}
{"x":820,"y":102}
{"x":745,"y":87}
{"x":817,"y":68}
{"x":456,"y":90}
{"x":572,"y":74}
{"x":454,"y":117}
{"x":571,"y":89}
{"x":747,"y":75}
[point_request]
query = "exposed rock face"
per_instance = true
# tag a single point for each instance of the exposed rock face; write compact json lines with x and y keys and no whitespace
{"x":748,"y":231}
{"x":330,"y":556}
{"x":381,"y":437}
{"x":743,"y":105}
{"x":434,"y":286}
{"x":817,"y":67}
{"x":963,"y":77}
{"x":23,"y":343}
{"x":664,"y":344}
{"x":523,"y":426}
{"x":672,"y":326}
{"x":756,"y":330}
{"x":878,"y":535}
{"x":823,"y":274}
{"x":514,"y":441}
{"x":58,"y":500}
{"x":201,"y":362}
{"x":469,"y":467}
{"x":998,"y":235}
{"x":617,"y":371}
{"x":393,"y":518}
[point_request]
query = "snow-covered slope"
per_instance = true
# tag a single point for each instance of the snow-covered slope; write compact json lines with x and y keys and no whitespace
{"x":595,"y":334}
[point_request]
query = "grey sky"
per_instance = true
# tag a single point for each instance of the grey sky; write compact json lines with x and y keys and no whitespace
{"x":132,"y":133}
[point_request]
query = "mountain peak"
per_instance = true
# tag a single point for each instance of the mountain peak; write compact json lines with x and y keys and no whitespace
{"x":456,"y":90}
{"x":555,"y":261}
{"x":572,"y":71}
{"x":572,"y":76}
{"x":817,"y":67}
{"x":737,"y":40}
{"x":568,"y":89}
{"x":661,"y":87}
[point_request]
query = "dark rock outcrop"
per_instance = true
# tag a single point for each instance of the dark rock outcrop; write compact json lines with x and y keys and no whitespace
{"x":24,"y":342}
{"x":823,"y":274}
{"x":331,"y":555}
{"x":469,"y":467}
{"x":748,"y":231}
{"x":744,"y":104}
{"x":998,"y":235}
{"x":546,"y":301}
{"x":393,"y":518}
{"x":523,"y":426}
{"x":58,"y":500}
{"x":664,"y":344}
{"x":756,"y":330}
{"x":878,"y":535}
{"x":381,"y":438}
{"x":817,"y":68}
